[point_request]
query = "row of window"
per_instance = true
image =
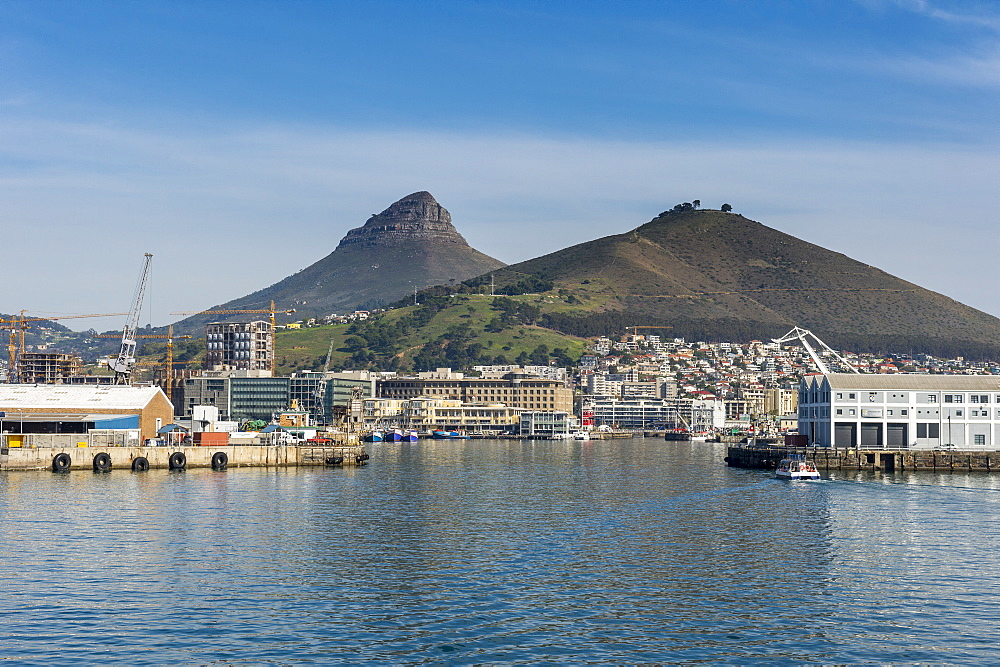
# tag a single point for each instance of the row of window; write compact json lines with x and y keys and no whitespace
{"x":891,"y":412}
{"x":872,"y":396}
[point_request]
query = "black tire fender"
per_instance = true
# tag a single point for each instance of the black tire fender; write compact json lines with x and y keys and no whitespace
{"x":102,"y":462}
{"x":61,"y":462}
{"x":177,"y":461}
{"x":140,"y":464}
{"x":220,"y":460}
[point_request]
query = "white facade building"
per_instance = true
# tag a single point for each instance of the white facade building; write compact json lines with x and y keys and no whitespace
{"x":915,"y":411}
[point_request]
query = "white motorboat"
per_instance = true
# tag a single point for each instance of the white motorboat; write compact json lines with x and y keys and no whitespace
{"x":581,"y":435}
{"x":796,"y":466}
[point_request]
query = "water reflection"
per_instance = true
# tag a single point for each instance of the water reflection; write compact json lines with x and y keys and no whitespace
{"x":497,"y":551}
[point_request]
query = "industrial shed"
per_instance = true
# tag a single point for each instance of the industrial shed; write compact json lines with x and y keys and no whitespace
{"x":61,"y":408}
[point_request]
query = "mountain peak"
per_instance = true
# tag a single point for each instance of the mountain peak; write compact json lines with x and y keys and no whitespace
{"x":410,"y":244}
{"x":415,"y":217}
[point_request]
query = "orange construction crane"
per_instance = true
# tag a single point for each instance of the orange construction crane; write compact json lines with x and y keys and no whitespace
{"x":18,"y":324}
{"x":170,"y":352}
{"x":271,"y":311}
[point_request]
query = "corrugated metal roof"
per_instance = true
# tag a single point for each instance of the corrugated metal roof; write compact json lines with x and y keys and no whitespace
{"x":903,"y":381}
{"x":62,"y":397}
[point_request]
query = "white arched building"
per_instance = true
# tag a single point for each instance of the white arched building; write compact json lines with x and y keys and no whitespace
{"x":914,"y":411}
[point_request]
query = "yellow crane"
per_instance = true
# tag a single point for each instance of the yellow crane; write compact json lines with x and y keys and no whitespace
{"x":269,"y":311}
{"x":18,"y":324}
{"x":170,"y":352}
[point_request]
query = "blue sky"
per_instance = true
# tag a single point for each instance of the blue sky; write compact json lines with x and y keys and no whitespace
{"x":239,"y":141}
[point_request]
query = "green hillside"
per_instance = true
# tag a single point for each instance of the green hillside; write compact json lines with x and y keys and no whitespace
{"x":455,"y":331}
{"x":719,"y":276}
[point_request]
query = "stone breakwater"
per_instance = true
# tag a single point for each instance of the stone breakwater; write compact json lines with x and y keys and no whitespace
{"x":868,"y":459}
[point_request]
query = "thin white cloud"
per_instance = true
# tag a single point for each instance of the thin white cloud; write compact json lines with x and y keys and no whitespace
{"x":971,"y":13}
{"x":967,"y":70}
{"x":231,"y":211}
{"x":982,"y":19}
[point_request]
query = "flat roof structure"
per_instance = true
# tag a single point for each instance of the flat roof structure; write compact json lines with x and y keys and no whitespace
{"x":914,"y":381}
{"x":85,"y":403}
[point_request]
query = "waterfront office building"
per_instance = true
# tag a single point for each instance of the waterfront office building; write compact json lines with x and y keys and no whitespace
{"x":426,"y":414}
{"x":698,"y":415}
{"x":524,"y":393}
{"x":239,"y":397}
{"x":915,"y":411}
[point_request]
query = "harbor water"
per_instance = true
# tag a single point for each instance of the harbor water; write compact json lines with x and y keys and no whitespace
{"x":499,"y":552}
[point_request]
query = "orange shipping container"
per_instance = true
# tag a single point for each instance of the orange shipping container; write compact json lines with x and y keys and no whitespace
{"x":211,"y":439}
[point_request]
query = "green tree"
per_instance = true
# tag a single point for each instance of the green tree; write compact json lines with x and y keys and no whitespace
{"x":726,"y":208}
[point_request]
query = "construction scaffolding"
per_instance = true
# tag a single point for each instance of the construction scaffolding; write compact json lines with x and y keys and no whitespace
{"x":48,"y":368}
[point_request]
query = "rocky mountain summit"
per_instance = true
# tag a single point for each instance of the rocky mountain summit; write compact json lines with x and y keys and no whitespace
{"x":417,"y":217}
{"x":410,"y":245}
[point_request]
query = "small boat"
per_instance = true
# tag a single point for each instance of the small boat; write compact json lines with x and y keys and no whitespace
{"x":581,"y":435}
{"x":449,"y":435}
{"x":409,"y":436}
{"x":678,"y":435}
{"x":374,"y":436}
{"x":796,"y":466}
{"x":395,"y":435}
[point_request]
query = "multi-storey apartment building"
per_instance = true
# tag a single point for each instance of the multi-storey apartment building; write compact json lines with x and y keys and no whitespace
{"x":239,"y":346}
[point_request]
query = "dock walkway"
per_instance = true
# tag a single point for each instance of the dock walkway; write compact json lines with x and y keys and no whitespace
{"x":103,"y":459}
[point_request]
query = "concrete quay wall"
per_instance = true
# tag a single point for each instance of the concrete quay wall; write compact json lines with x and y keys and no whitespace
{"x":886,"y":460}
{"x":239,"y":456}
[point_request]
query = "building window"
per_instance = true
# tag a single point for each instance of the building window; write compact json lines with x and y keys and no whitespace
{"x":932,"y":398}
{"x":839,"y":412}
{"x":888,"y":413}
{"x":927,"y":430}
{"x":852,"y":412}
{"x":840,"y":395}
{"x":904,"y":412}
{"x":852,"y":396}
{"x":979,"y":440}
{"x":958,"y":413}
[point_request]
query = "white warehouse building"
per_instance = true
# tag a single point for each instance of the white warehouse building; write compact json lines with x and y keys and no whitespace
{"x":915,"y":411}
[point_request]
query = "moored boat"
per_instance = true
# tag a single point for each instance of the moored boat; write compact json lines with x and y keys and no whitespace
{"x":449,"y":435}
{"x":581,"y":435}
{"x":373,"y":436}
{"x":409,"y":436}
{"x":395,"y":435}
{"x":796,"y":466}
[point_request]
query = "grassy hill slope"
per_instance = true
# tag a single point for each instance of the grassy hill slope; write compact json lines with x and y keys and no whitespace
{"x":718,"y":275}
{"x":456,"y":331}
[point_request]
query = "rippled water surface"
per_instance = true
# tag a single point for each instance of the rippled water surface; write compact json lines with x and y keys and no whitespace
{"x":499,"y":551}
